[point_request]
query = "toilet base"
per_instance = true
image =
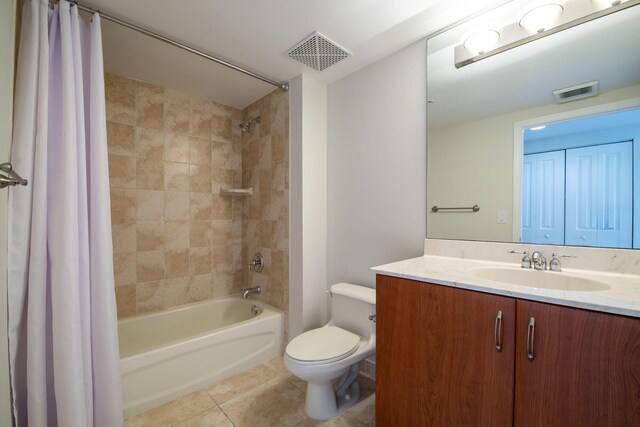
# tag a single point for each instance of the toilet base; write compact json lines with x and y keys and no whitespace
{"x":322,"y":403}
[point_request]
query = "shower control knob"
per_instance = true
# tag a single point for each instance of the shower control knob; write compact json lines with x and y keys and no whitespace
{"x":257,"y":263}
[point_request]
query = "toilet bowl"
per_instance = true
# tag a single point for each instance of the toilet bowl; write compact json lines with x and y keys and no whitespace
{"x":328,"y":358}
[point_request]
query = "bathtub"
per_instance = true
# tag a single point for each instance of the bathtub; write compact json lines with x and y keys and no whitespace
{"x":168,"y":354}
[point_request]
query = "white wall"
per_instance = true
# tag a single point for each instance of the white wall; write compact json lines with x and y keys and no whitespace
{"x":376,"y":192}
{"x":308,"y":204}
{"x":7,"y":40}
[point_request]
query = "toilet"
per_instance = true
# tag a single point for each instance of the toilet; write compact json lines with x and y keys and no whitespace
{"x":328,"y":358}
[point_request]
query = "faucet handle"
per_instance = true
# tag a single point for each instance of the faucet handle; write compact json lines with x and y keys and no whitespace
{"x":554,"y":264}
{"x":526,"y":259}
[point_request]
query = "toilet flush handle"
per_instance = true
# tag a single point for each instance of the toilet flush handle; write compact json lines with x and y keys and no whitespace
{"x":372,"y":318}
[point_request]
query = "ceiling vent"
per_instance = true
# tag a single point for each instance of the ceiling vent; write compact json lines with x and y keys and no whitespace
{"x":318,"y":52}
{"x":573,"y":93}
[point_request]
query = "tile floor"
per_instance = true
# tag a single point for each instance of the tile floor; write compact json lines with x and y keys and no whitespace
{"x":267,"y":395}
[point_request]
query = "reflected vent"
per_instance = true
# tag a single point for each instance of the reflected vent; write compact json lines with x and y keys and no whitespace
{"x":573,"y":93}
{"x":318,"y":52}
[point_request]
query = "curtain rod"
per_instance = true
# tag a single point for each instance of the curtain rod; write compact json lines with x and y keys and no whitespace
{"x":108,"y":17}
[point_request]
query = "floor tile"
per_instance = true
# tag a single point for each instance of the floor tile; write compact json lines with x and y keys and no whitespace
{"x":275,"y":403}
{"x":362,"y":414}
{"x":211,"y":418}
{"x":335,"y":422}
{"x":173,"y":412}
{"x":277,"y":364}
{"x":233,"y":386}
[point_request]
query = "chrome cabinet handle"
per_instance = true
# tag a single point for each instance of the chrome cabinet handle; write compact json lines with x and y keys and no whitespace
{"x":497,"y":332}
{"x":531,"y":330}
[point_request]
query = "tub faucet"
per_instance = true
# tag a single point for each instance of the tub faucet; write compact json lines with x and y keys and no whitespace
{"x":246,"y":292}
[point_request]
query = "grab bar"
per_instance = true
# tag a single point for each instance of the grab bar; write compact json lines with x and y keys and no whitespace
{"x":12,"y":177}
{"x":474,"y":208}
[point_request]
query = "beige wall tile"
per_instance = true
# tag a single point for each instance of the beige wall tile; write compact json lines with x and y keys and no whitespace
{"x":201,"y":234}
{"x":175,"y":291}
{"x":150,"y":266}
{"x":221,"y":128}
{"x":176,"y":205}
{"x":123,"y":206}
{"x":150,"y":143}
{"x":220,"y":179}
{"x":177,"y":235}
{"x":150,"y":235}
{"x":149,"y":105}
{"x":149,"y":296}
{"x":121,"y":107}
{"x":124,"y":269}
{"x":124,"y":238}
{"x":162,"y":201}
{"x":221,"y":232}
{"x":221,"y":207}
{"x":176,"y":112}
{"x":200,"y":260}
{"x":121,"y":139}
{"x":119,"y":83}
{"x":220,"y":154}
{"x":176,"y":148}
{"x":122,"y":172}
{"x":200,"y":206}
{"x":149,"y":174}
{"x":126,"y":300}
{"x":200,"y":178}
{"x":176,"y":263}
{"x":200,"y":124}
{"x":222,"y":258}
{"x":199,"y":151}
{"x":176,"y":176}
{"x":150,"y":205}
{"x":199,"y":287}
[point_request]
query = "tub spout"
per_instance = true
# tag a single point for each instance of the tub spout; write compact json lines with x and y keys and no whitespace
{"x":246,"y":292}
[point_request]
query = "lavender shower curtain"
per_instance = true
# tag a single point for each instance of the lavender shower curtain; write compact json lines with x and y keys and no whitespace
{"x":63,"y":338}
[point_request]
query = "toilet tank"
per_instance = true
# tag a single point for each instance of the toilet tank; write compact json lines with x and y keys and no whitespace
{"x":351,"y":306}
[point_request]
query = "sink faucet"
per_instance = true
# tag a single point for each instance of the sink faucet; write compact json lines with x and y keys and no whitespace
{"x":526,"y":259}
{"x":538,"y":261}
{"x":246,"y":292}
{"x":554,"y":264}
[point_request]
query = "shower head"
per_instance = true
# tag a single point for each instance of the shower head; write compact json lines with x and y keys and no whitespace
{"x":246,"y":126}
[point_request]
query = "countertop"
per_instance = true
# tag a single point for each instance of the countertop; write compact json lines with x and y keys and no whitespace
{"x":623,"y":297}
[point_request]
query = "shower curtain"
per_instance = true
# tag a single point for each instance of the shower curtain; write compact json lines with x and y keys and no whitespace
{"x":63,"y":338}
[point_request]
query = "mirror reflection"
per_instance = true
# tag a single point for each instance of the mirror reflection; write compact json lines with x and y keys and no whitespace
{"x":542,"y":137}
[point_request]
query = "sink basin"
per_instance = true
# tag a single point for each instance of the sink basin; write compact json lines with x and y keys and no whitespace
{"x":559,"y":281}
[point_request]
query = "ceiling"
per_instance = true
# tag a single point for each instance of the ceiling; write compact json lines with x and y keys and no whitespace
{"x":257,"y":34}
{"x":605,"y":49}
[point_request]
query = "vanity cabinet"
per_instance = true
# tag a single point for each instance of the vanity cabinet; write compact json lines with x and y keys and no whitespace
{"x":438,"y":363}
{"x":436,"y":358}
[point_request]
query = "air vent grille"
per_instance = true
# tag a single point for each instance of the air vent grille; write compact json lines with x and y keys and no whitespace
{"x":318,"y":52}
{"x":573,"y":93}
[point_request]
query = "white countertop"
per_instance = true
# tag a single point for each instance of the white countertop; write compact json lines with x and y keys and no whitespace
{"x":623,"y":297}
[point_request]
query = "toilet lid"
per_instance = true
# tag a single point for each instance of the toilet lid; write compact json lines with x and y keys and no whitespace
{"x":326,"y":344}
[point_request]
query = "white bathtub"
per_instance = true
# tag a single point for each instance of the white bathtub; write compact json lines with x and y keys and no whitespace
{"x":168,"y":354}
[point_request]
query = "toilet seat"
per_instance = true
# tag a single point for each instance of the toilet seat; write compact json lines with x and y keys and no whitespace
{"x":323,"y":345}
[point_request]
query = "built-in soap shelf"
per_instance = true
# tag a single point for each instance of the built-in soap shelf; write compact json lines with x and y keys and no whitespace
{"x":237,"y":191}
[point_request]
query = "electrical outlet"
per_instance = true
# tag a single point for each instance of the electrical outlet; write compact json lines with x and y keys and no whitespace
{"x":502,"y":217}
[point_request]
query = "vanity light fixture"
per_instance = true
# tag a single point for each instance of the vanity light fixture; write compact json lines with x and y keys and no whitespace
{"x":540,"y":19}
{"x":481,"y":41}
{"x":541,"y":16}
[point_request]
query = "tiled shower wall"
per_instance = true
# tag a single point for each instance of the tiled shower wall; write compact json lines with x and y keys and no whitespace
{"x":265,"y":157}
{"x":175,"y":239}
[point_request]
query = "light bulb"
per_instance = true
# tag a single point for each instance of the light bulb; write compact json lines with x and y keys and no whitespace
{"x":541,"y":17}
{"x":482,"y":41}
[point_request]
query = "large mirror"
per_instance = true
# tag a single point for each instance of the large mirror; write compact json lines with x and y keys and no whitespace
{"x":538,"y":166}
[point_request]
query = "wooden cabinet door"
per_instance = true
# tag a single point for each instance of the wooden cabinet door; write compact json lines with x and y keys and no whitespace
{"x":436,"y":357}
{"x":585,"y":369}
